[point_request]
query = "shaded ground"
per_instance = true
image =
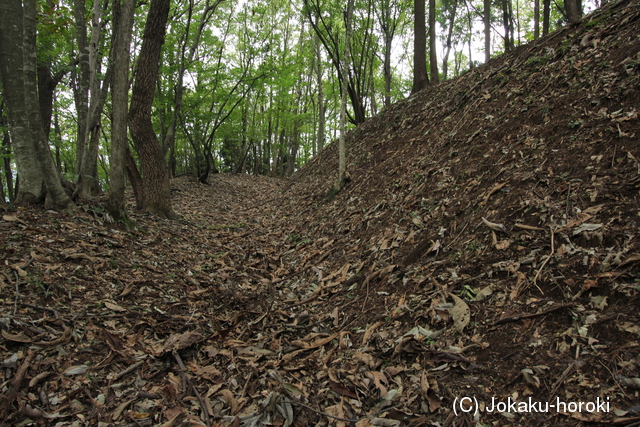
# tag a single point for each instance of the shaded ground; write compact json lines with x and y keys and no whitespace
{"x":485,"y":247}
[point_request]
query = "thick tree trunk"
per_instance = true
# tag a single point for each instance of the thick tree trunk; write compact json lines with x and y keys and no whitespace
{"x":155,"y":177}
{"x":420,"y":78}
{"x":119,"y":93}
{"x":39,"y":178}
{"x":5,"y":152}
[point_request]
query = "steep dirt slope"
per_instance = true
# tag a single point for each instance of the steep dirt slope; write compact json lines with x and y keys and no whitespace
{"x":511,"y":192}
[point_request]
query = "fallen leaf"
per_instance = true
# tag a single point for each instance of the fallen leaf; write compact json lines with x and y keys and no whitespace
{"x":461,"y":314}
{"x":114,"y":307}
{"x":21,"y":337}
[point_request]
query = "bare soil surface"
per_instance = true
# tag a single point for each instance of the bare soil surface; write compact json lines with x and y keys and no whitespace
{"x":484,"y":253}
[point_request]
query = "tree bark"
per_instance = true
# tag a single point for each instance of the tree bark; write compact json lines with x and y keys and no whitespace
{"x":507,"y":21}
{"x":433,"y":53}
{"x":88,"y":185}
{"x":445,"y":59}
{"x":420,"y":78}
{"x":321,"y":106}
{"x":39,"y":178}
{"x":536,"y":19}
{"x":5,"y":152}
{"x":574,"y":11}
{"x":155,"y":177}
{"x":119,"y":93}
{"x":487,"y":30}
{"x":546,"y":16}
{"x":342,"y":150}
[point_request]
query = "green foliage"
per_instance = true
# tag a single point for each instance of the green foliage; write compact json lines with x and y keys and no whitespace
{"x":249,"y":71}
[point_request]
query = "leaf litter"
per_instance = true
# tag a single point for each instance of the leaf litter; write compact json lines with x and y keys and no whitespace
{"x":486,"y":247}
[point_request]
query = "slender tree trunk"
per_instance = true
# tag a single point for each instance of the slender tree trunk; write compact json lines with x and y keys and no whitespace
{"x":536,"y":19}
{"x":168,"y":142}
{"x":39,"y":178}
{"x":321,"y":105}
{"x":81,"y":77}
{"x":507,"y":21}
{"x":546,"y":16}
{"x":420,"y":78}
{"x":447,"y":50}
{"x":342,"y":150}
{"x":120,"y":90}
{"x":487,"y":30}
{"x":88,"y":185}
{"x":156,"y":194}
{"x":433,"y":53}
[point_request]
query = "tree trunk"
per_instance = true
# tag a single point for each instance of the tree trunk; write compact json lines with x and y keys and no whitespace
{"x":433,"y":53}
{"x":487,"y":30}
{"x":39,"y":178}
{"x":507,"y":21}
{"x":546,"y":16}
{"x":445,"y":59}
{"x":119,"y":94}
{"x":420,"y":78}
{"x":536,"y":19}
{"x":342,"y":150}
{"x":82,"y":77}
{"x":321,"y":106}
{"x":5,"y":153}
{"x":88,"y":185}
{"x":155,"y":177}
{"x":574,"y":11}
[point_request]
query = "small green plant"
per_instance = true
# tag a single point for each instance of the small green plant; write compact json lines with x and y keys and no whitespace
{"x":575,"y":124}
{"x":46,"y":289}
{"x":468,"y":293}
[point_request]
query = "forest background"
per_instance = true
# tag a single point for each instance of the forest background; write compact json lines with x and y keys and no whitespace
{"x":220,"y":85}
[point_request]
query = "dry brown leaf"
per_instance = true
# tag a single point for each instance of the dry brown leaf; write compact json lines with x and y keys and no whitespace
{"x":114,"y":307}
{"x":461,"y":313}
{"x":370,"y":331}
{"x":424,"y":383}
{"x":181,"y":341}
{"x":20,"y":337}
{"x":365,"y":358}
{"x":494,"y":225}
{"x":380,"y":380}
{"x":40,"y":258}
{"x":231,"y":402}
{"x":503,"y":244}
{"x":580,"y":218}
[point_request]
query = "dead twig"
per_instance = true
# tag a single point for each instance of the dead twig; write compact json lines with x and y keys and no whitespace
{"x":553,"y":250}
{"x":7,"y":401}
{"x":529,"y":315}
{"x":188,"y":385}
{"x":563,"y":377}
{"x":129,"y":369}
{"x":17,"y":297}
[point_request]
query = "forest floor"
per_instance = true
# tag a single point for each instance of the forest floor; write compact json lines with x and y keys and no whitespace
{"x":484,"y":253}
